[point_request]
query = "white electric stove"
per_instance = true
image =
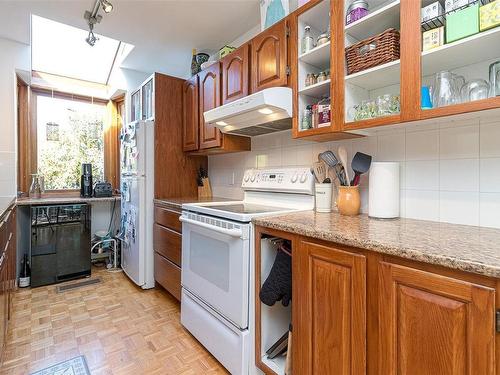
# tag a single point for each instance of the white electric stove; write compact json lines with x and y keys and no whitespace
{"x":217,"y":261}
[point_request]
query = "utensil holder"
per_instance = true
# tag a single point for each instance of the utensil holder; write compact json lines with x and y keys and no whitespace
{"x":205,"y":191}
{"x":348,"y":200}
{"x":324,"y":197}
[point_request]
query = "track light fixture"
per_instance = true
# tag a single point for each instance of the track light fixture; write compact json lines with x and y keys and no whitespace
{"x":92,"y":18}
{"x":107,"y":7}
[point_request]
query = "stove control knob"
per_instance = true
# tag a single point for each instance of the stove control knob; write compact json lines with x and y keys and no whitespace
{"x":252,"y":179}
{"x":247,"y":177}
{"x":303,"y":178}
{"x":294,"y":178}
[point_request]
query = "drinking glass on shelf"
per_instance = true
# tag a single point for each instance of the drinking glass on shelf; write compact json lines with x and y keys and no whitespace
{"x":495,"y":79}
{"x":372,"y":110}
{"x":384,"y":105}
{"x":395,"y":104}
{"x":444,"y":89}
{"x":475,"y":89}
{"x":458,"y":82}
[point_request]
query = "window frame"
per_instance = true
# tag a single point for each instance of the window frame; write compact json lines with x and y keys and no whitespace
{"x":27,"y":136}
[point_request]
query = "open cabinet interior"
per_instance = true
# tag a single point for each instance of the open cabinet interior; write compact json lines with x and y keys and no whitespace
{"x":274,"y":320}
{"x":372,"y":66}
{"x":460,"y":55}
{"x":314,"y":84}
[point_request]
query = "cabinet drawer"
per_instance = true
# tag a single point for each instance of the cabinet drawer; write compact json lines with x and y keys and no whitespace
{"x":168,"y":275}
{"x":168,"y":218}
{"x":168,"y":243}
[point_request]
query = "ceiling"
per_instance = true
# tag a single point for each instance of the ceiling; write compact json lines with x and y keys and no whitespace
{"x":163,"y":32}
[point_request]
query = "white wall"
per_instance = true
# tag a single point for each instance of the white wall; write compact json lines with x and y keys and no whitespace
{"x":450,"y":171}
{"x":13,"y":55}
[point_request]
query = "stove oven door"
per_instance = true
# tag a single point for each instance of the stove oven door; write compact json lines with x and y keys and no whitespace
{"x":215,"y":264}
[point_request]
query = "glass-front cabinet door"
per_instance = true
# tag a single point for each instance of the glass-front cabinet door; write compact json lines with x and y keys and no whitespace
{"x":147,"y":100}
{"x":135,"y":106}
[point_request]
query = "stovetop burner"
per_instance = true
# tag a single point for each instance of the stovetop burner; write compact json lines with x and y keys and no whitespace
{"x":245,"y":208}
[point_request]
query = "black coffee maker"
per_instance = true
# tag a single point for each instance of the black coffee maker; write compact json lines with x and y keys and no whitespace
{"x":86,"y":181}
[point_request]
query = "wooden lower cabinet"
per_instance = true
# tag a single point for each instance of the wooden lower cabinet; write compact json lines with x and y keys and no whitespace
{"x":432,"y":324}
{"x":329,"y":320}
{"x":360,"y":312}
{"x":168,"y":275}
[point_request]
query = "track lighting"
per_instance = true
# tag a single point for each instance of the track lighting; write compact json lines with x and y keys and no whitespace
{"x":91,"y":39}
{"x":107,"y":7}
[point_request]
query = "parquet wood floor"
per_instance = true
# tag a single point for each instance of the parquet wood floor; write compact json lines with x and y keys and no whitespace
{"x":121,"y":329}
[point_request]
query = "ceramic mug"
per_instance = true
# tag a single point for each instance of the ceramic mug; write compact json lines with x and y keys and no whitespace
{"x":348,"y":200}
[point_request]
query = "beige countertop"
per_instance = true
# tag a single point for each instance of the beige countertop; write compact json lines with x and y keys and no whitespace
{"x":466,"y":248}
{"x":176,"y":203}
{"x":63,"y":200}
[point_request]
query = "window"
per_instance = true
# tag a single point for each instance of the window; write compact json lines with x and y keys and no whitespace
{"x":69,"y":133}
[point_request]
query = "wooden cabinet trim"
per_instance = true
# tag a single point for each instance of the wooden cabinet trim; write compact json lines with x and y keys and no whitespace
{"x":190,"y":118}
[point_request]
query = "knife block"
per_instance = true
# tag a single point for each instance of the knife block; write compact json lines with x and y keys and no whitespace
{"x":205,"y":191}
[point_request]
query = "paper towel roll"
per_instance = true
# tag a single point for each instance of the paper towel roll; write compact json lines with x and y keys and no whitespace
{"x":383,"y":190}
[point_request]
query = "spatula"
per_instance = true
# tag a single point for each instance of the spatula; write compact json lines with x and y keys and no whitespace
{"x":329,"y":158}
{"x":319,"y":169}
{"x":343,"y":160}
{"x":360,"y":164}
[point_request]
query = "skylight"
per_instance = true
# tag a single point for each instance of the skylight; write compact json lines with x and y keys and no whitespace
{"x":61,"y":49}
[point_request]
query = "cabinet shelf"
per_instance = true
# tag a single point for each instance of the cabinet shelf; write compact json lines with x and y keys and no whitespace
{"x":376,"y":77}
{"x":377,"y":21}
{"x":318,"y":56}
{"x":467,"y":51}
{"x":317,"y":90}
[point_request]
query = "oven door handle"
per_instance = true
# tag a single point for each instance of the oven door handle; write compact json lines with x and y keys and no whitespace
{"x":229,"y":232}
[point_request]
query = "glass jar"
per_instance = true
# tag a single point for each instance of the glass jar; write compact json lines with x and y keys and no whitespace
{"x":322,"y":77}
{"x":306,"y":122}
{"x":307,"y":40}
{"x":356,"y":10}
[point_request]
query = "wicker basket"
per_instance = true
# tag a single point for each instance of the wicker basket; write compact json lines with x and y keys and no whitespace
{"x":377,"y":50}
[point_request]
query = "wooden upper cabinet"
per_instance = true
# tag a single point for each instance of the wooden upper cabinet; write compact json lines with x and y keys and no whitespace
{"x":269,"y":57}
{"x":235,"y":74}
{"x":431,"y":324}
{"x":190,"y":117}
{"x":329,"y":311}
{"x":210,"y":95}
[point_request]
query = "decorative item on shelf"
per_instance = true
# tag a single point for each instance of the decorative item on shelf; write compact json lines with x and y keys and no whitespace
{"x":307,"y":40}
{"x":425,"y":98}
{"x":495,"y":79}
{"x":462,"y":23}
{"x":322,"y":39}
{"x":226,"y":50}
{"x":489,"y":15}
{"x":383,"y":105}
{"x":356,"y":10}
{"x":433,"y":38}
{"x":348,"y":200}
{"x":272,"y":11}
{"x":475,"y":89}
{"x":201,"y":58}
{"x":379,"y":49}
{"x":306,"y":122}
{"x":311,"y":79}
{"x":195,"y":68}
{"x":204,"y":188}
{"x":383,"y":190}
{"x":431,"y":11}
{"x":451,"y":5}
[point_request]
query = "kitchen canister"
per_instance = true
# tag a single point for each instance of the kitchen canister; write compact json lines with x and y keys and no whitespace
{"x":383,"y":190}
{"x":324,"y":197}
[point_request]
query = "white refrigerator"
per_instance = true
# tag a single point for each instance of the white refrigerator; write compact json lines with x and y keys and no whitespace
{"x":137,"y":192}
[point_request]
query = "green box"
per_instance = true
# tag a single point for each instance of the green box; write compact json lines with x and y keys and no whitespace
{"x":462,"y":23}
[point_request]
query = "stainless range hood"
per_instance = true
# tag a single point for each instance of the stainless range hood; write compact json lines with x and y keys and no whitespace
{"x":264,"y":112}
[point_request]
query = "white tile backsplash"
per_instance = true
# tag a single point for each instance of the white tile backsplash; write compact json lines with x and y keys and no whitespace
{"x":450,"y":170}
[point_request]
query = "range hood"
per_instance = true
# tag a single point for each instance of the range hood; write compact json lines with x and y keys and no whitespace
{"x":264,"y":112}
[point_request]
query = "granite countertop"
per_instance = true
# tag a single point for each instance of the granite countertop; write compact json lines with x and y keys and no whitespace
{"x":5,"y":203}
{"x":176,"y":203}
{"x":63,"y":200}
{"x":466,"y":248}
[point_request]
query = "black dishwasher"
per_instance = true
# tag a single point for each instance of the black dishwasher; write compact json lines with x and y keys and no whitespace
{"x":60,"y":243}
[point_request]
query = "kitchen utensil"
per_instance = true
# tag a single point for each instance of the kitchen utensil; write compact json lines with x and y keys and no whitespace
{"x":360,"y":164}
{"x":319,"y":169}
{"x":327,"y":180}
{"x":475,"y":89}
{"x":343,"y":159}
{"x":348,"y":200}
{"x":383,"y":190}
{"x":425,"y":98}
{"x":329,"y":158}
{"x":495,"y":79}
